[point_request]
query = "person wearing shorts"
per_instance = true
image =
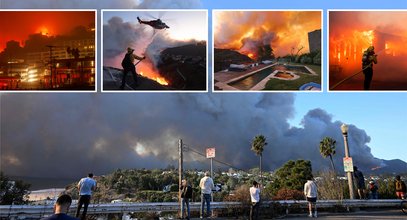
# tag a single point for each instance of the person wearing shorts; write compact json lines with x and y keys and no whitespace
{"x":311,"y":192}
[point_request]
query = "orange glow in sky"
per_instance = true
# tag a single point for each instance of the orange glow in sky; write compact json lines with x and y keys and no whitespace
{"x":18,"y":25}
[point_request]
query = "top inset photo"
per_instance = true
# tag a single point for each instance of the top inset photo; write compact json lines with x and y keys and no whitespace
{"x":367,"y":51}
{"x":154,"y":50}
{"x":267,"y":50}
{"x":47,"y":51}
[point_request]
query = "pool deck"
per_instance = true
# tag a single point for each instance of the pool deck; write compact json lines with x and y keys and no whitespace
{"x":226,"y":77}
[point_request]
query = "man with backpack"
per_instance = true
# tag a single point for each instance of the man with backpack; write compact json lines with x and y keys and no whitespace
{"x":128,"y":66}
{"x":400,"y":188}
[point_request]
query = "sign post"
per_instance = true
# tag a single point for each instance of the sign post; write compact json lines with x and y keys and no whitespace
{"x":210,"y":154}
{"x":348,"y":164}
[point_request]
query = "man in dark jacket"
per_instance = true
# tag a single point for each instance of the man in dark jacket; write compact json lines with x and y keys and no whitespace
{"x":360,"y":182}
{"x":128,"y":66}
{"x":186,"y":195}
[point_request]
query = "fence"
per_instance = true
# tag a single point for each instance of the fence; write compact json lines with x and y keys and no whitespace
{"x":38,"y":211}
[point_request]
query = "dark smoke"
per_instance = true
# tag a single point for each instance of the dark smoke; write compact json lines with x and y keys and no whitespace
{"x":66,"y":135}
{"x":119,"y":35}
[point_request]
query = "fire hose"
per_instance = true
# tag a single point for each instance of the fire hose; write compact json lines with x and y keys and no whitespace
{"x":351,"y":76}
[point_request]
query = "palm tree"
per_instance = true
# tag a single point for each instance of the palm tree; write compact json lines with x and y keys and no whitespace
{"x":327,"y":148}
{"x":258,"y":146}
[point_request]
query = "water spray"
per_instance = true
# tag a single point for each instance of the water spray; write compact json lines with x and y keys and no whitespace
{"x":351,"y":76}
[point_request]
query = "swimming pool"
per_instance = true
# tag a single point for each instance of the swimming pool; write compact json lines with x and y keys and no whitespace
{"x":248,"y":82}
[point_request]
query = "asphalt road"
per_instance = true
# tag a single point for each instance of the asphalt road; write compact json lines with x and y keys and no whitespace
{"x":362,"y":214}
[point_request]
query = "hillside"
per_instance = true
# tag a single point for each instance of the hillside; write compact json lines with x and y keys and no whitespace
{"x":184,"y":66}
{"x":224,"y":57}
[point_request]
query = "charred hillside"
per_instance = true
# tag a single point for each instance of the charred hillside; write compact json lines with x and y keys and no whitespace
{"x":184,"y":66}
{"x":224,"y":57}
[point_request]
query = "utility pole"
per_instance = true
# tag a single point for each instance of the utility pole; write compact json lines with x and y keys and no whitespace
{"x":344,"y":129}
{"x":50,"y":62}
{"x":180,"y":171}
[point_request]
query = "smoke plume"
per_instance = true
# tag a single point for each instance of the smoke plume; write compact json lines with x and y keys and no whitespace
{"x":66,"y":135}
{"x":283,"y":30}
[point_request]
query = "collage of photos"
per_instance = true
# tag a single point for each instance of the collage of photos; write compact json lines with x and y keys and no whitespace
{"x":202,"y":109}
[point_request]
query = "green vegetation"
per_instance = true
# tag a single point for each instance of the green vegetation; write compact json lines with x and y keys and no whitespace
{"x":277,"y":84}
{"x":258,"y":144}
{"x":292,"y":175}
{"x":327,"y":149}
{"x":13,"y":192}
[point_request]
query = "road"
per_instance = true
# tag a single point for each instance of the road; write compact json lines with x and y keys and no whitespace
{"x":362,"y":214}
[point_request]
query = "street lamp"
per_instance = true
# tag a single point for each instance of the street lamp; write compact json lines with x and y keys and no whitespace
{"x":344,"y":129}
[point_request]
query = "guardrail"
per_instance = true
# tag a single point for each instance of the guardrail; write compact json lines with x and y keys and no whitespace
{"x":38,"y":211}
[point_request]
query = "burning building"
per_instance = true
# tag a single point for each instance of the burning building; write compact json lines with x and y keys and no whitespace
{"x":50,"y":50}
{"x":249,"y":32}
{"x":351,"y":33}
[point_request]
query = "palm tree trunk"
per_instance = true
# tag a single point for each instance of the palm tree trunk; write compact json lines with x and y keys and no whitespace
{"x":332,"y":163}
{"x":260,"y":171}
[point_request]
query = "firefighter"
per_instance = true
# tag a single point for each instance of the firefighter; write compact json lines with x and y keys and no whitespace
{"x":369,"y":57}
{"x":128,"y":66}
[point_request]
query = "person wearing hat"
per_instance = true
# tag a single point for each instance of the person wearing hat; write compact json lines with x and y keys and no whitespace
{"x":128,"y":66}
{"x":373,"y":194}
{"x":369,"y":57}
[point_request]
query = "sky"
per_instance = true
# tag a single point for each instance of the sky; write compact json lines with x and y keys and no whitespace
{"x":18,"y":25}
{"x":184,"y":25}
{"x":102,"y":132}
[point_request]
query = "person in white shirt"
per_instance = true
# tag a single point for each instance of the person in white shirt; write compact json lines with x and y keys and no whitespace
{"x":85,"y":186}
{"x":255,"y":198}
{"x":311,"y":192}
{"x":206,"y":185}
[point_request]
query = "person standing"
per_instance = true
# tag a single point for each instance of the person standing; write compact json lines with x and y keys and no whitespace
{"x":186,"y":195}
{"x":369,"y":57}
{"x":373,"y":190}
{"x":206,"y":185}
{"x":360,"y":182}
{"x":128,"y":66}
{"x":311,"y":192}
{"x":400,"y":188}
{"x":85,"y":187}
{"x":255,"y":198}
{"x":61,"y":208}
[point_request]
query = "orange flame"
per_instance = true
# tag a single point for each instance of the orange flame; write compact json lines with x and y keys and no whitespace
{"x":148,"y":71}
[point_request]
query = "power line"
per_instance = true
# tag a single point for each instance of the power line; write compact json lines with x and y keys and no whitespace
{"x":216,"y":160}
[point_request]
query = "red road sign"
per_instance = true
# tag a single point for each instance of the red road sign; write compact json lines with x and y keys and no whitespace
{"x":210,"y":152}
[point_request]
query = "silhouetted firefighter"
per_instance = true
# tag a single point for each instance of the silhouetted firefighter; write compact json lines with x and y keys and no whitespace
{"x":369,"y":57}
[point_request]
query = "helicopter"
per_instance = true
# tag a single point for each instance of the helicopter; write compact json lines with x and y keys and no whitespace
{"x":156,"y":24}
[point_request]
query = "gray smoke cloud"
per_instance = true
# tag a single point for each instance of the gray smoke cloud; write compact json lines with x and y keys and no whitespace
{"x":119,"y":35}
{"x":66,"y":135}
